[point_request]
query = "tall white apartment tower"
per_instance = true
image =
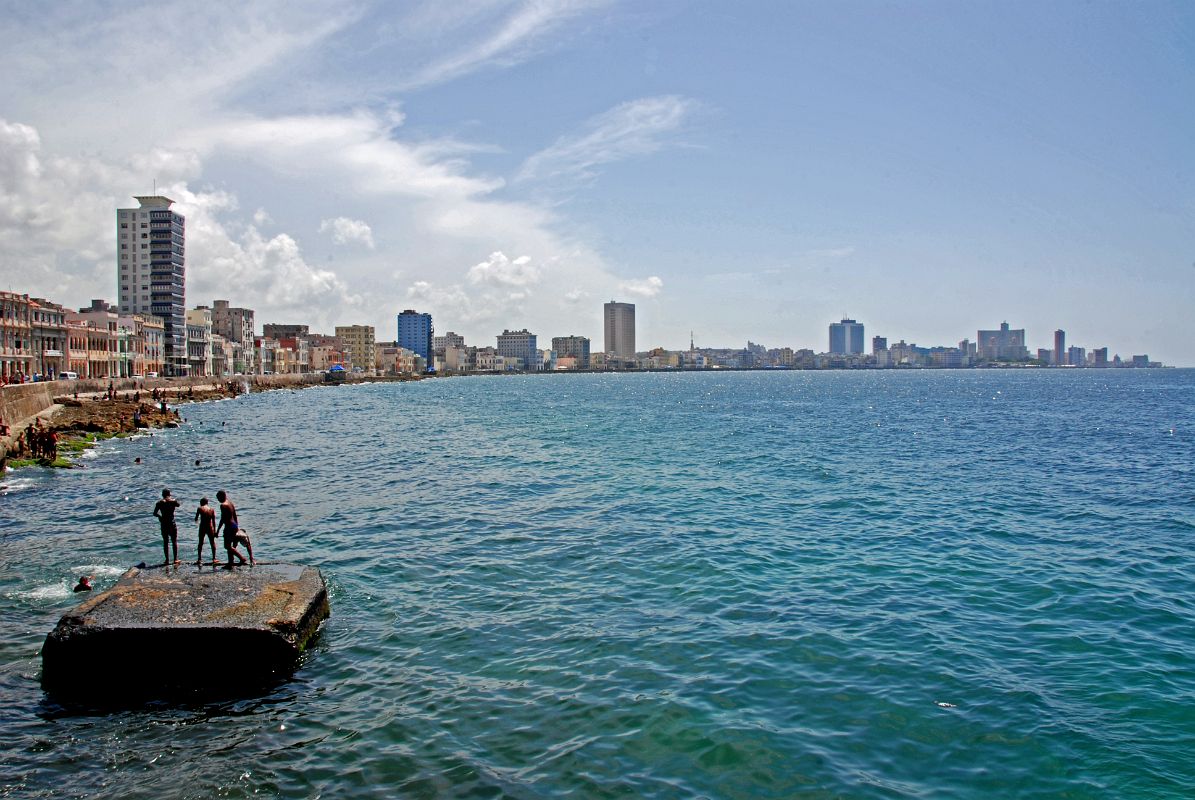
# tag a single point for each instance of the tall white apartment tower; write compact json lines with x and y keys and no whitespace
{"x":150,"y":243}
{"x":620,"y":329}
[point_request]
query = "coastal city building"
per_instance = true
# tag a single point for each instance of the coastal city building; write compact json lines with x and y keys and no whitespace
{"x":415,"y":333}
{"x":1003,"y":344}
{"x":236,"y":325}
{"x":846,"y":337}
{"x":878,"y":343}
{"x":16,"y":332}
{"x":442,"y":343}
{"x":48,"y":338}
{"x":572,"y":347}
{"x":521,"y":347}
{"x":275,"y":331}
{"x":1059,"y":348}
{"x":620,"y":330}
{"x":144,"y":338}
{"x":199,"y":341}
{"x":151,"y":273}
{"x":325,"y":352}
{"x":359,"y":341}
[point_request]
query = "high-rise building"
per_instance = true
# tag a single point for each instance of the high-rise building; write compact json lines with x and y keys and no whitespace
{"x":415,"y":333}
{"x":358,"y":340}
{"x":572,"y":347}
{"x":1002,"y":344}
{"x":878,"y":343}
{"x":620,"y":329}
{"x":521,"y":345}
{"x":846,"y":337}
{"x":236,"y":325}
{"x":151,"y":274}
{"x":1059,"y":347}
{"x":1100,"y":356}
{"x":1076,"y":356}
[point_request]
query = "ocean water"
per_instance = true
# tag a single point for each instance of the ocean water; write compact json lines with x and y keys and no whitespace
{"x":966,"y":584}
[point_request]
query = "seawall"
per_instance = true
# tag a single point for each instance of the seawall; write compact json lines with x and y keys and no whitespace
{"x":20,"y":403}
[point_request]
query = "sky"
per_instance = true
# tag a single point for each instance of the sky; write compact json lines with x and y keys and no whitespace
{"x":741,"y":171}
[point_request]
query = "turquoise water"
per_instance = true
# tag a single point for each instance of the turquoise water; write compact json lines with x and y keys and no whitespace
{"x":775,"y":585}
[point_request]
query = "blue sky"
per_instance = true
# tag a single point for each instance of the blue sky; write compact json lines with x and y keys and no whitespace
{"x":745,"y":171}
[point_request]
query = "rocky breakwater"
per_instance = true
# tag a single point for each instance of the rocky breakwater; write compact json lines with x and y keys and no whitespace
{"x":165,"y":629}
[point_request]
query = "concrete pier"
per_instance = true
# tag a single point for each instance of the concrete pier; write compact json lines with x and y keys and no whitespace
{"x":162,"y":629}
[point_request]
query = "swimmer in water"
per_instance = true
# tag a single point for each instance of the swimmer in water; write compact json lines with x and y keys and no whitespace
{"x":84,"y":584}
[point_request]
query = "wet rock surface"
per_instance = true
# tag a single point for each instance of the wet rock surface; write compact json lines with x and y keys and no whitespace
{"x":168,"y":628}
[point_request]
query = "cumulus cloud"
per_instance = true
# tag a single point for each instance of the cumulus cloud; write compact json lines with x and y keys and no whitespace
{"x":647,"y":287}
{"x":346,"y":231}
{"x":502,"y":271}
{"x":631,"y":129}
{"x":66,"y":164}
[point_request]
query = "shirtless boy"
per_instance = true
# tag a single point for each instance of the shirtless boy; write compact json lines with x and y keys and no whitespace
{"x":232,"y":530}
{"x":206,"y":516}
{"x":164,"y":511}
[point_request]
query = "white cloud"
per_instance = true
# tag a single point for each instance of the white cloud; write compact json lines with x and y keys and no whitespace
{"x":631,"y":129}
{"x":66,"y":162}
{"x":647,"y":287}
{"x":345,"y":231}
{"x":502,"y":271}
{"x":517,"y":36}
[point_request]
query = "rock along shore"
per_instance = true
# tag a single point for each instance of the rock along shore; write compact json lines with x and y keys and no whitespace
{"x":164,"y":629}
{"x":81,"y":414}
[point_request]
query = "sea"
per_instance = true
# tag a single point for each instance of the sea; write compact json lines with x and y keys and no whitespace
{"x":875,"y":584}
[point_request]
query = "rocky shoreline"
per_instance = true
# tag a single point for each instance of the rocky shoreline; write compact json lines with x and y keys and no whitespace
{"x":80,"y":420}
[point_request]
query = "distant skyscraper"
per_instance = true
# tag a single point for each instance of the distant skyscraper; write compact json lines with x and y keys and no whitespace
{"x":1002,"y":344}
{"x":878,"y":343}
{"x":1059,"y":347}
{"x":620,"y":329}
{"x":846,"y":337}
{"x":151,"y":274}
{"x":415,"y":333}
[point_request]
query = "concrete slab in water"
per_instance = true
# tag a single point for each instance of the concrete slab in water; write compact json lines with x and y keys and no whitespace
{"x":188,"y":627}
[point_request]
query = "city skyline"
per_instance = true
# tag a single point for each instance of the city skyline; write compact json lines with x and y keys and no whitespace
{"x":931,"y":170}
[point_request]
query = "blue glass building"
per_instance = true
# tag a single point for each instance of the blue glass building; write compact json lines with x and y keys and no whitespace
{"x":415,"y":334}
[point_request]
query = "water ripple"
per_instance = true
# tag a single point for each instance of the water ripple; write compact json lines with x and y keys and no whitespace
{"x":874,"y":585}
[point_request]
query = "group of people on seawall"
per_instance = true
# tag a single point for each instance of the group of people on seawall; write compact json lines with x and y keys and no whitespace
{"x":205,"y":515}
